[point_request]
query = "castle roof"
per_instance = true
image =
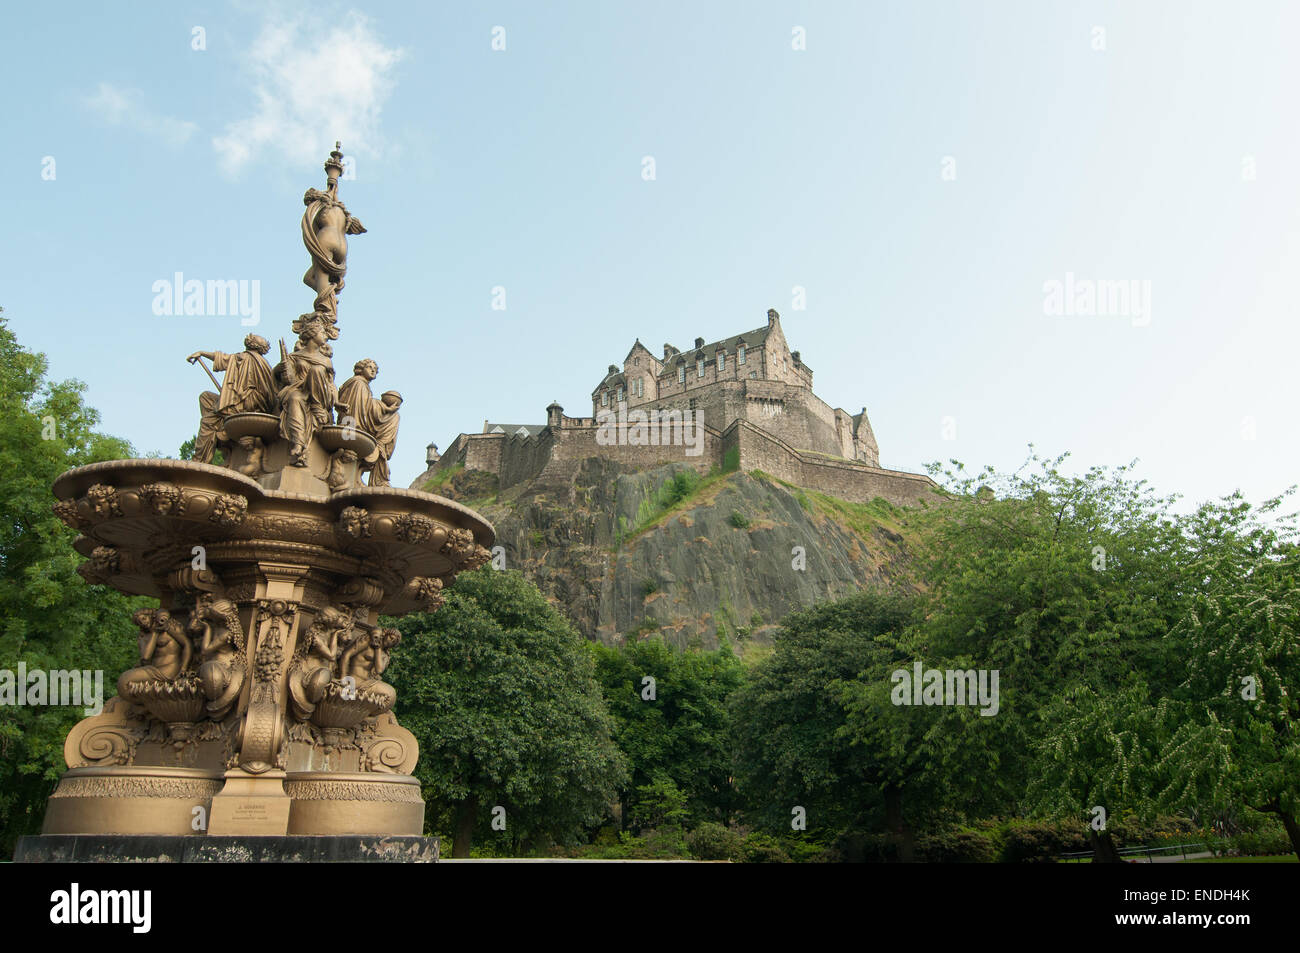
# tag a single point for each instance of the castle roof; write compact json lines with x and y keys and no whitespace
{"x":614,"y":377}
{"x":637,"y":344}
{"x":751,"y":339}
{"x":512,"y":430}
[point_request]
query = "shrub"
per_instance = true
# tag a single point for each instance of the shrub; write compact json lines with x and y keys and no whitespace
{"x":1267,"y":839}
{"x":661,"y":802}
{"x":1041,"y":841}
{"x":738,"y":520}
{"x":712,"y":841}
{"x":956,"y":846}
{"x":760,"y":848}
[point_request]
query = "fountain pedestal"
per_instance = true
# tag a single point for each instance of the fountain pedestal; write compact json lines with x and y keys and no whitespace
{"x":258,"y":707}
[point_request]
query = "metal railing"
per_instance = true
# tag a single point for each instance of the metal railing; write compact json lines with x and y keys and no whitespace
{"x":1150,"y":853}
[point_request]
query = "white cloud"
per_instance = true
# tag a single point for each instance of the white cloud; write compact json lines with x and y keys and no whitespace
{"x":311,"y":88}
{"x":125,"y":107}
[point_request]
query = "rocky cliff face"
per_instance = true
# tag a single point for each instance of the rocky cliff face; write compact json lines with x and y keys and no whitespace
{"x":627,"y":554}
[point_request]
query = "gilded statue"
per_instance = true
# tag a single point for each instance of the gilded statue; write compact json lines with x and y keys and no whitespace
{"x":314,"y":671}
{"x":366,"y":659}
{"x":165,"y":651}
{"x":379,"y":418}
{"x":246,"y":388}
{"x":307,"y":393}
{"x":326,"y":224}
{"x":221,"y":646}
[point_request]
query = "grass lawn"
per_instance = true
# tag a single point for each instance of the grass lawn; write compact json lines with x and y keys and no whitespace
{"x":1273,"y":859}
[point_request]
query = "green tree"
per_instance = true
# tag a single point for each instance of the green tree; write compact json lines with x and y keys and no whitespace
{"x":49,"y":617}
{"x":789,"y":717}
{"x":500,"y":691}
{"x":1067,"y":586}
{"x":1102,"y":754}
{"x":677,"y":741}
{"x":1235,"y":726}
{"x":186,"y":452}
{"x":1100,"y":607}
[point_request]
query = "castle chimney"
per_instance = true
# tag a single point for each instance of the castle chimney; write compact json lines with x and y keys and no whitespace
{"x":795,"y":355}
{"x":613,"y":368}
{"x":772,"y":316}
{"x":699,"y":342}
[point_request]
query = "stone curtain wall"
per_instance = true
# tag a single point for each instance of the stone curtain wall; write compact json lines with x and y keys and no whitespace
{"x":523,"y":458}
{"x":577,"y":444}
{"x":556,"y":454}
{"x":483,"y":452}
{"x":855,"y":482}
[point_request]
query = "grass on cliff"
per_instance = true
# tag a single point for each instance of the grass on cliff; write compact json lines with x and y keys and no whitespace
{"x":763,"y":476}
{"x":685,"y":488}
{"x":442,"y":478}
{"x":861,"y":518}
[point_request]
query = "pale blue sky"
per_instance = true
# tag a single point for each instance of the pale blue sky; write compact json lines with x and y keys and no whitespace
{"x":776,"y":168}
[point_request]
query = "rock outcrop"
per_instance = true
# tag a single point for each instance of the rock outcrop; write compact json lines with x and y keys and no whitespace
{"x":627,"y":554}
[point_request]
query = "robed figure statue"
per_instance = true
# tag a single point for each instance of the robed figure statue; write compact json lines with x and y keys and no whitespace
{"x":379,"y":418}
{"x":247,"y":388}
{"x":307,"y":393}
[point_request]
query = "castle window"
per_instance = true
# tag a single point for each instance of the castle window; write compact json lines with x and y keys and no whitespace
{"x":722,"y":360}
{"x":740,"y":354}
{"x":620,"y":393}
{"x":699,"y":366}
{"x":681,"y":373}
{"x":604,"y":398}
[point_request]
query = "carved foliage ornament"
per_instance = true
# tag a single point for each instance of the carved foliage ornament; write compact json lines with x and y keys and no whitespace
{"x":66,"y":511}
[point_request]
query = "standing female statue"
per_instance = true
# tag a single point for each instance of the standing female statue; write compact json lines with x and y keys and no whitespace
{"x":325,"y":227}
{"x":307,"y":392}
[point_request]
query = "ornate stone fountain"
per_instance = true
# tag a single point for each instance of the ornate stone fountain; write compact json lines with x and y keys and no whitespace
{"x":258,"y":705}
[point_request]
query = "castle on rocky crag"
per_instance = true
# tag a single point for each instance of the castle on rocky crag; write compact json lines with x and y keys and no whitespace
{"x":744,"y":402}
